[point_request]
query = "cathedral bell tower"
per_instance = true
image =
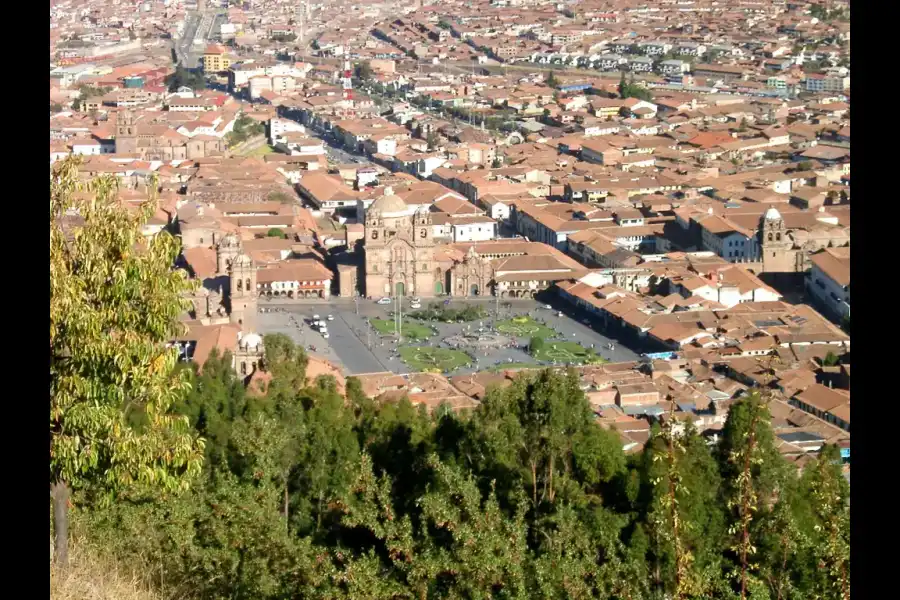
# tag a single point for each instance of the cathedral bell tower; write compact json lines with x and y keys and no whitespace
{"x":126,"y":133}
{"x":227,"y":248}
{"x":774,"y":242}
{"x":243,"y":293}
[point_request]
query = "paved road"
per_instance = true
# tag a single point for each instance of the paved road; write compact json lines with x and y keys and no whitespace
{"x":359,"y":349}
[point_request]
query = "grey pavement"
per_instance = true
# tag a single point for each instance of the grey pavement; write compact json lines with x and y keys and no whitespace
{"x":358,"y":348}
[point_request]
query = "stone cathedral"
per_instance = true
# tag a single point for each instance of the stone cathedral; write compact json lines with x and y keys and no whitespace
{"x":399,"y":250}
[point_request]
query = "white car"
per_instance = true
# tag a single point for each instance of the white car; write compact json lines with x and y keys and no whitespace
{"x":331,"y":317}
{"x":548,"y":307}
{"x":315,"y":317}
{"x":384,"y":301}
{"x":559,"y":314}
{"x":415,"y":305}
{"x":325,"y":334}
{"x":416,"y":301}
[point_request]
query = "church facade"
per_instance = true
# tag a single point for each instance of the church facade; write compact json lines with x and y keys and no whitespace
{"x":158,"y":142}
{"x":401,"y":258}
{"x":399,"y":251}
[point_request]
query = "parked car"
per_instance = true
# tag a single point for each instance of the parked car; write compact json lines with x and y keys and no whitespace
{"x":325,"y":334}
{"x":415,"y":306}
{"x":331,"y":317}
{"x":384,"y":301}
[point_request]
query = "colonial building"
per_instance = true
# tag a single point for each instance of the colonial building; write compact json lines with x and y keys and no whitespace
{"x":399,"y":250}
{"x":160,"y":142}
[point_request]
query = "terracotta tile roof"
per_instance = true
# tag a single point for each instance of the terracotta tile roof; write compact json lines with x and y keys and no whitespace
{"x":835,"y":263}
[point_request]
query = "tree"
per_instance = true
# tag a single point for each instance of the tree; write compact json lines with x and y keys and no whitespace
{"x":185,"y":77}
{"x":244,"y":128}
{"x":828,"y":493}
{"x":277,"y":233}
{"x":216,"y":399}
{"x":830,"y":360}
{"x":433,"y":139}
{"x":681,"y":486}
{"x":115,"y":301}
{"x":536,"y":344}
{"x":364,"y":71}
{"x":551,"y":80}
{"x":752,"y":472}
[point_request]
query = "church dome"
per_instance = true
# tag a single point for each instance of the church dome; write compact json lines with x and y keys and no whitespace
{"x":772,"y":214}
{"x":389,"y":204}
{"x":241,"y":260}
{"x":251,"y":341}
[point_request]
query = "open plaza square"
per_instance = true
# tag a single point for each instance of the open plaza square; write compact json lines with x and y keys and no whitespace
{"x":362,"y":337}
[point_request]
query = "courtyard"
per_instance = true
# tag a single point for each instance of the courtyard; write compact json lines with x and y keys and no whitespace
{"x":361,"y":337}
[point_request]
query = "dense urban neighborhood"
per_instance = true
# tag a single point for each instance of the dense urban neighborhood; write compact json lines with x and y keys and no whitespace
{"x":413,"y":235}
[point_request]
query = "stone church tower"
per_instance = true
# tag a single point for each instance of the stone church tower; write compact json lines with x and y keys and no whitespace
{"x":227,"y":248}
{"x":775,"y":244}
{"x":126,"y":133}
{"x":243,"y":296}
{"x":399,"y":250}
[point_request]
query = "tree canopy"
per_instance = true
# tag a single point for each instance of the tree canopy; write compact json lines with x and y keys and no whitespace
{"x":114,"y":306}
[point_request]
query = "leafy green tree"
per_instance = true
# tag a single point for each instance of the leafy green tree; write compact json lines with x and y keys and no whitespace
{"x":551,"y":79}
{"x":185,"y":77}
{"x":536,"y":344}
{"x":364,"y":71}
{"x":109,"y":354}
{"x":830,"y":360}
{"x":538,"y":434}
{"x":216,"y":399}
{"x":752,"y":473}
{"x":276,"y":233}
{"x":828,"y":493}
{"x":681,"y":509}
{"x":329,"y":455}
{"x":287,"y":363}
{"x":244,"y":128}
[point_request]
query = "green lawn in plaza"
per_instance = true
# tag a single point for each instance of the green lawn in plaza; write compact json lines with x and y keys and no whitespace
{"x":567,"y":352}
{"x":525,"y":327}
{"x":423,"y":358}
{"x":412,"y":331}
